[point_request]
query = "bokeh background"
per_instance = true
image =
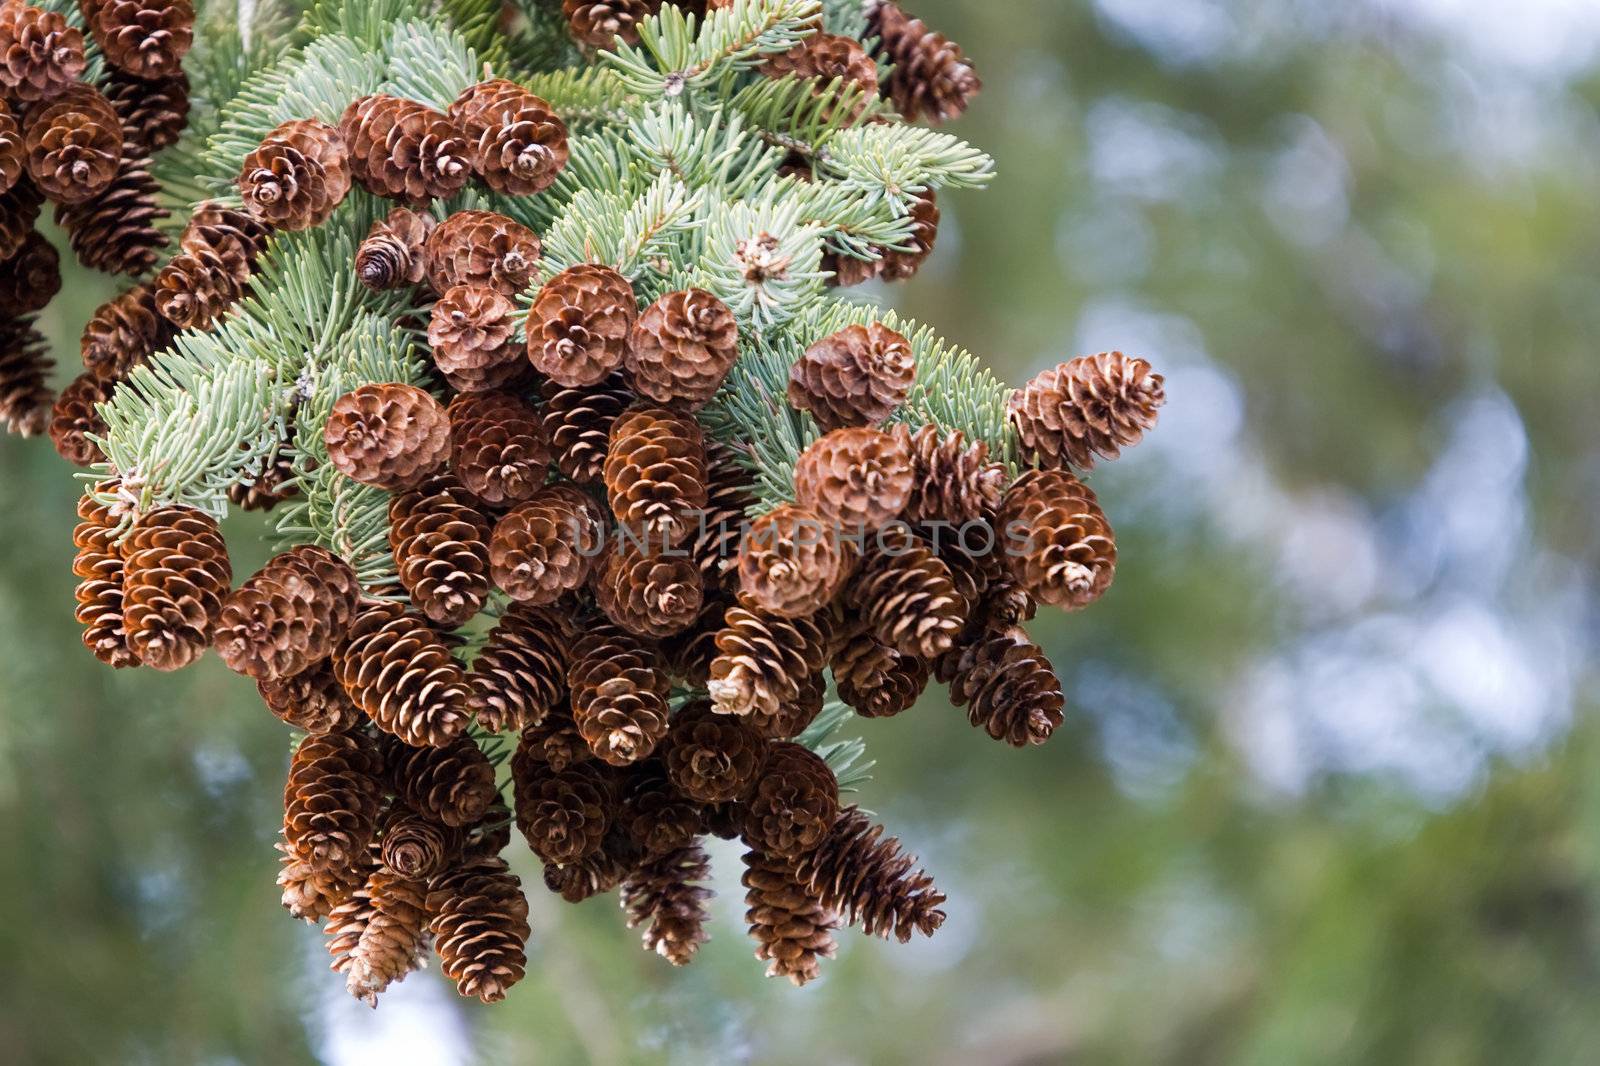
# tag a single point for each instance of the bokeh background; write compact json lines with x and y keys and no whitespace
{"x":1329,"y":789}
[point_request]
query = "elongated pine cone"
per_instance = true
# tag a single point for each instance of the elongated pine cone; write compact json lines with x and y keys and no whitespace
{"x":392,"y":253}
{"x":858,"y":376}
{"x":398,"y":670}
{"x":1008,"y":687}
{"x":99,"y":568}
{"x":1059,"y":546}
{"x":331,"y":799}
{"x":393,"y":939}
{"x":311,"y":701}
{"x":74,"y":417}
{"x":74,"y":143}
{"x":390,"y":435}
{"x":519,"y":144}
{"x":145,"y":38}
{"x":115,"y":231}
{"x":416,"y":846}
{"x":710,"y":757}
{"x":795,"y":801}
{"x":931,"y":79}
{"x":859,"y":478}
{"x":655,"y":472}
{"x":25,"y":400}
{"x":1088,"y":406}
{"x":40,"y":54}
{"x":481,"y":248}
{"x":480,"y":927}
{"x":30,"y":278}
{"x":297,"y":176}
{"x":874,"y":679}
{"x":666,"y":893}
{"x":498,"y":447}
{"x":563,"y":814}
{"x":619,"y":694}
{"x":654,"y":815}
{"x":441,"y":549}
{"x":470,"y":329}
{"x":828,"y":57}
{"x":649,"y":591}
{"x":520,"y":677}
{"x":864,"y":877}
{"x":404,"y":150}
{"x":311,"y":894}
{"x":453,"y":785}
{"x":955,"y":482}
{"x":579,"y":324}
{"x":176,"y":577}
{"x":123,"y":332}
{"x":682,"y":346}
{"x":546,"y":547}
{"x":577,"y":422}
{"x":792,"y":930}
{"x":154,"y":111}
{"x":13,"y":157}
{"x":598,"y":23}
{"x":791,"y":562}
{"x":19,"y":210}
{"x":907,"y":595}
{"x":290,"y":615}
{"x":554,"y":742}
{"x":763,"y":661}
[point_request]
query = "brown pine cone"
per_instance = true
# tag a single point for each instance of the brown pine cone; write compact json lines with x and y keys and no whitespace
{"x":728,"y":499}
{"x":907,"y":595}
{"x":154,"y":112}
{"x":554,"y":741}
{"x":453,"y":785}
{"x":955,"y":482}
{"x":792,"y":931}
{"x":74,"y":144}
{"x":391,"y":436}
{"x":99,"y":568}
{"x":491,"y":834}
{"x":40,"y":54}
{"x":827,"y":57}
{"x":177,"y":573}
{"x":763,"y":661}
{"x":858,"y":479}
{"x":264,"y":490}
{"x":858,"y":376}
{"x":681,"y":348}
{"x":311,"y":701}
{"x":648,"y":592}
{"x":311,"y":894}
{"x":563,"y":814}
{"x":577,"y":422}
{"x":480,"y":927}
{"x":723,"y":820}
{"x":663,"y":892}
{"x":115,"y":231}
{"x":873,"y":678}
{"x":654,"y":815}
{"x":791,"y":562}
{"x":441,"y":549}
{"x":931,"y":80}
{"x":25,"y":399}
{"x":1059,"y":546}
{"x":594,"y":874}
{"x":404,"y":150}
{"x":123,"y":333}
{"x":688,"y":655}
{"x":19,"y":210}
{"x":579,"y":324}
{"x":470,"y":328}
{"x":13,"y":157}
{"x":199,"y":285}
{"x":795,"y":715}
{"x":218,"y":227}
{"x":546,"y":547}
{"x":619,"y":694}
{"x":331,"y":800}
{"x":416,"y":846}
{"x":289,"y":616}
{"x":795,"y":801}
{"x":392,"y":255}
{"x":74,"y":417}
{"x":1008,"y":687}
{"x":393,"y":939}
{"x":519,"y":144}
{"x":598,"y":23}
{"x":498,"y":447}
{"x":866,"y":879}
{"x":710,"y":757}
{"x":398,"y":670}
{"x":520,"y":677}
{"x":30,"y":278}
{"x":481,"y":248}
{"x":655,"y":472}
{"x":1092,"y":405}
{"x":514,"y":375}
{"x":901,"y":264}
{"x":297,"y":176}
{"x":145,"y":38}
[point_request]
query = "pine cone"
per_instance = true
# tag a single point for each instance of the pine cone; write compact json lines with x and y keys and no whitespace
{"x":218,"y":227}
{"x":123,"y":332}
{"x":859,"y":479}
{"x":1095,"y":404}
{"x":652,"y":593}
{"x":681,"y":348}
{"x":954,"y":481}
{"x":453,"y":784}
{"x":563,"y":814}
{"x":40,"y":55}
{"x":311,"y":894}
{"x":663,"y":892}
{"x":654,"y":815}
{"x":99,"y":568}
{"x":873,"y":678}
{"x":930,"y":79}
{"x":13,"y":157}
{"x":441,"y":549}
{"x":554,"y":742}
{"x":1060,"y":548}
{"x":289,"y":616}
{"x":177,"y":573}
{"x":902,"y":264}
{"x":398,"y":670}
{"x":393,"y":939}
{"x":30,"y":278}
{"x":1008,"y":687}
{"x":710,"y":757}
{"x":594,"y":874}
{"x":480,"y":927}
{"x":619,"y":694}
{"x":404,"y":150}
{"x":330,"y":802}
{"x":417,"y":847}
{"x":481,"y":248}
{"x":578,"y":423}
{"x":74,"y":143}
{"x":391,"y":436}
{"x":795,"y":802}
{"x":514,"y":375}
{"x":598,"y":23}
{"x":25,"y":400}
{"x":392,"y":255}
{"x":907,"y":595}
{"x":491,"y":834}
{"x":579,"y":324}
{"x":764,"y":661}
{"x":867,"y":880}
{"x":791,"y":929}
{"x":297,"y":176}
{"x":154,"y":112}
{"x":655,"y":472}
{"x":201,"y":283}
{"x":795,"y":715}
{"x":265,"y":489}
{"x":145,"y":38}
{"x":791,"y":562}
{"x":518,"y":142}
{"x":520,"y":677}
{"x":498,"y":447}
{"x":728,"y":499}
{"x":858,"y":376}
{"x":827,"y":57}
{"x":546,"y":547}
{"x":312,"y":701}
{"x":688,"y":655}
{"x":74,"y":416}
{"x":115,"y":231}
{"x":470,"y":329}
{"x":19,"y":210}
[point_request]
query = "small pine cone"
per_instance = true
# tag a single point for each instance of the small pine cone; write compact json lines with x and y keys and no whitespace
{"x":197,"y":288}
{"x":955,"y":482}
{"x":404,"y":150}
{"x":873,"y":678}
{"x":856,"y":377}
{"x":453,"y":785}
{"x":594,"y":874}
{"x":297,"y":176}
{"x":579,"y":324}
{"x":827,"y":57}
{"x":619,"y":694}
{"x":311,"y":894}
{"x":1092,"y":405}
{"x":498,"y":447}
{"x":1067,"y":555}
{"x":554,"y":742}
{"x":19,"y":210}
{"x":416,"y":846}
{"x":470,"y":328}
{"x":40,"y":54}
{"x":480,"y":927}
{"x":728,"y":499}
{"x":792,"y":931}
{"x":123,"y":332}
{"x":116,"y":230}
{"x":391,"y":436}
{"x":520,"y":677}
{"x":563,"y":814}
{"x":391,"y":255}
{"x":792,"y":561}
{"x":289,"y":616}
{"x":264,"y":490}
{"x":710,"y":757}
{"x":99,"y":568}
{"x":514,"y":375}
{"x":30,"y":278}
{"x":176,"y":578}
{"x":795,"y":801}
{"x":331,"y":800}
{"x":25,"y":400}
{"x":218,"y":227}
{"x":398,"y":670}
{"x":598,"y":23}
{"x":795,"y":715}
{"x":655,"y":472}
{"x":663,"y":892}
{"x":931,"y":80}
{"x":74,"y":417}
{"x":682,"y":346}
{"x":441,"y":548}
{"x":311,"y":701}
{"x":546,"y":547}
{"x":577,"y":422}
{"x":1008,"y":687}
{"x":154,"y":112}
{"x":907,"y":595}
{"x":763,"y":661}
{"x":394,"y":939}
{"x":649,"y":593}
{"x":74,"y":144}
{"x":13,"y":157}
{"x":481,"y":248}
{"x":858,"y":479}
{"x":655,"y":815}
{"x":866,"y":879}
{"x":688,"y":655}
{"x":144,"y":38}
{"x":519,"y":144}
{"x":901,"y":264}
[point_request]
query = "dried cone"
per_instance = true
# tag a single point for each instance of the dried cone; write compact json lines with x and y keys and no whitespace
{"x":418,"y":847}
{"x":330,"y":802}
{"x":297,"y":176}
{"x":25,"y":400}
{"x":579,"y":324}
{"x":873,"y":678}
{"x":554,"y":742}
{"x":264,"y":489}
{"x":481,"y":248}
{"x":710,"y":757}
{"x":74,"y":417}
{"x":578,"y":421}
{"x":664,"y":892}
{"x":470,"y":330}
{"x":546,"y":547}
{"x":654,"y":815}
{"x":858,"y":478}
{"x":123,"y":332}
{"x":1092,"y":405}
{"x":655,"y":472}
{"x":619,"y":694}
{"x":907,"y":595}
{"x":99,"y":568}
{"x":30,"y":278}
{"x":209,"y":275}
{"x":394,"y":937}
{"x":311,"y":701}
{"x":404,"y":150}
{"x":115,"y":231}
{"x":74,"y":144}
{"x":390,"y":436}
{"x":791,"y":562}
{"x":154,"y":111}
{"x":594,"y":874}
{"x":688,"y":655}
{"x":728,"y":499}
{"x":40,"y":54}
{"x":1068,"y":555}
{"x":176,"y":576}
{"x":498,"y":447}
{"x":868,"y":881}
{"x":290,"y":615}
{"x":441,"y":549}
{"x":220,"y":228}
{"x":1008,"y":687}
{"x":901,"y":264}
{"x":311,"y":894}
{"x":398,"y":670}
{"x":763,"y":661}
{"x":795,"y":802}
{"x":563,"y":814}
{"x":145,"y":38}
{"x":931,"y":80}
{"x":453,"y":785}
{"x":520,"y":677}
{"x":12,"y":154}
{"x":682,"y":346}
{"x":829,"y":57}
{"x":650,"y":592}
{"x":480,"y":927}
{"x":795,"y":715}
{"x":392,"y":255}
{"x":792,"y":931}
{"x":19,"y":210}
{"x":954,"y":482}
{"x":518,"y":142}
{"x":858,"y":376}
{"x":598,"y":23}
